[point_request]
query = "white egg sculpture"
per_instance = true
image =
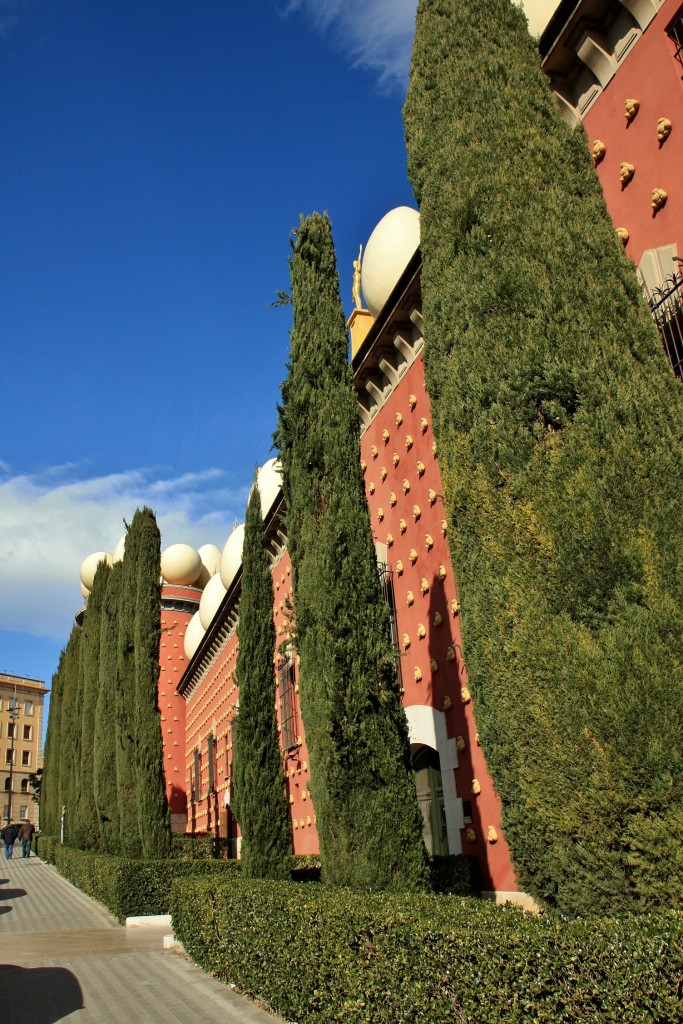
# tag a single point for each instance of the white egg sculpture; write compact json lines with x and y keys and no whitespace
{"x":210,"y":555}
{"x":214,"y":592}
{"x":89,"y":566}
{"x":231,"y":559}
{"x":269,"y":480}
{"x":181,"y":565}
{"x":202,"y":579}
{"x":389,"y":250}
{"x":194,"y":631}
{"x":117,"y":556}
{"x":84,"y":591}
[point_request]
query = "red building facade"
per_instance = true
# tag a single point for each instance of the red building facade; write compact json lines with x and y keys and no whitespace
{"x":600,"y":56}
{"x":178,"y":605}
{"x":617,"y":68}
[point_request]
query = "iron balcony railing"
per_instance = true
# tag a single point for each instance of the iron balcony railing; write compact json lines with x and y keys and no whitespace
{"x":666,"y":306}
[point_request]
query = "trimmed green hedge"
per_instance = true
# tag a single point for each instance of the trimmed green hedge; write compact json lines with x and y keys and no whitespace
{"x":130,"y":888}
{"x":203,"y":846}
{"x":321,"y":956}
{"x":44,"y":847}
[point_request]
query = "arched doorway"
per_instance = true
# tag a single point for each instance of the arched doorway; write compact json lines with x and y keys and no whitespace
{"x":427,"y":770}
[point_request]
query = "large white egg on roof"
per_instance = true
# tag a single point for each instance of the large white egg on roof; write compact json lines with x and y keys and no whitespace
{"x":89,"y":566}
{"x":181,"y":564}
{"x":389,"y":250}
{"x":231,"y":559}
{"x":269,"y":479}
{"x":117,"y":555}
{"x":210,"y":555}
{"x":194,"y":632}
{"x":214,"y":592}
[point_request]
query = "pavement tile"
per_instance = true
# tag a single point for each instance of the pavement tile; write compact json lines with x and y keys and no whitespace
{"x":63,"y":957}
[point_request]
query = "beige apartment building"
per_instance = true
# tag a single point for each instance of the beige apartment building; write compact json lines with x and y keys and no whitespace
{"x":21,"y":730}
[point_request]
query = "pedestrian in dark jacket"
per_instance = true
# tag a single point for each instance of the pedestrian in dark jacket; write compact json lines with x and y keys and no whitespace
{"x":9,"y":836}
{"x":25,"y":835}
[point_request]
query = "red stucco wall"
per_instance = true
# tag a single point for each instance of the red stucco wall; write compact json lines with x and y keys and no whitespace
{"x":444,"y":683}
{"x":651,"y":75}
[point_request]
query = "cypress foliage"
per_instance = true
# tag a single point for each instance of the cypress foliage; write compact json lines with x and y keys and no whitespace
{"x":130,"y":842}
{"x":152,"y":808}
{"x":67,"y":791}
{"x":89,"y":688}
{"x":104,"y":762}
{"x":259,"y":802}
{"x":52,"y":755}
{"x":560,"y":429}
{"x":361,"y":783}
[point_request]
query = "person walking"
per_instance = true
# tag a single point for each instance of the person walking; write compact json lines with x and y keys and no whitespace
{"x":9,"y":837}
{"x":25,"y":835}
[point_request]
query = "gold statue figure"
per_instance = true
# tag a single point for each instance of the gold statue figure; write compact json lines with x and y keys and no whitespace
{"x":355,"y":290}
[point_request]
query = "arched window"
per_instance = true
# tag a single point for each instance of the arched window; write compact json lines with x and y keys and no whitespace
{"x":7,"y":785}
{"x":427,"y":768}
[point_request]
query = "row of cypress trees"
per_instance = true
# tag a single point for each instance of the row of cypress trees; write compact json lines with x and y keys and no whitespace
{"x":560,"y":432}
{"x":103,"y":751}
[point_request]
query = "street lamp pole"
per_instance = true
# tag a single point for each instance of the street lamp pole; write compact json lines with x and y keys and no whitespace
{"x":13,"y":716}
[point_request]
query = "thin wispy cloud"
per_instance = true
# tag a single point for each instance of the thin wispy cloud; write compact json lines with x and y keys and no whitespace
{"x":50,"y":521}
{"x":375,"y":34}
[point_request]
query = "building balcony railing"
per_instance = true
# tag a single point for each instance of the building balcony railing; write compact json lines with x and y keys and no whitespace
{"x":666,"y":306}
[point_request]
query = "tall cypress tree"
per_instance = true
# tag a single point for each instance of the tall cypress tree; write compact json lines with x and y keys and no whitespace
{"x":67,"y":792}
{"x":560,"y":430}
{"x":52,"y":756}
{"x":361,"y":783}
{"x":151,"y":804}
{"x":104,"y":763}
{"x":260,"y":805}
{"x":89,"y":689}
{"x":130,"y":842}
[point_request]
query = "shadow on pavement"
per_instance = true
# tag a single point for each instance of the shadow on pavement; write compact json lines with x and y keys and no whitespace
{"x":11,"y":894}
{"x":38,"y":995}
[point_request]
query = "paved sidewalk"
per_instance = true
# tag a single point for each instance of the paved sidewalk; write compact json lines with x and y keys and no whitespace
{"x":64,"y":958}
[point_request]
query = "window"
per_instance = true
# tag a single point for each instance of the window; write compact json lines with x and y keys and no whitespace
{"x":675,"y":33}
{"x":210,"y":760}
{"x":196,"y":780}
{"x":23,"y":813}
{"x":5,"y":811}
{"x":288,"y":717}
{"x":28,"y":707}
{"x":386,"y":581}
{"x":28,"y":732}
{"x":24,"y":785}
{"x":7,"y":784}
{"x":10,"y":757}
{"x":26,"y":758}
{"x":11,"y":730}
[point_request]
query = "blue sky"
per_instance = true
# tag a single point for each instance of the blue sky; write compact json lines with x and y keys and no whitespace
{"x":156,"y":155}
